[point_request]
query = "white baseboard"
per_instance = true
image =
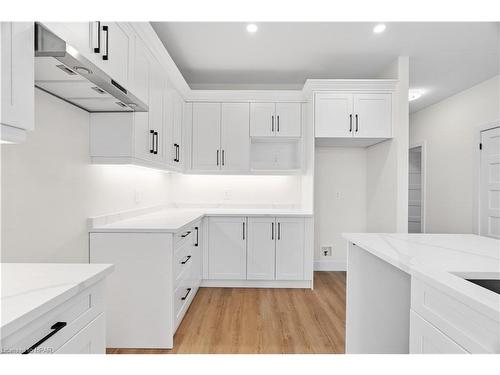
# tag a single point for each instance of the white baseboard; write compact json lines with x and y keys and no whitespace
{"x":303,"y":284}
{"x":330,"y":265}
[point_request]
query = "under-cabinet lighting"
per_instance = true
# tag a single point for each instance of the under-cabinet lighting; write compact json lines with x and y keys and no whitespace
{"x":414,"y":94}
{"x":380,"y":28}
{"x":252,"y":28}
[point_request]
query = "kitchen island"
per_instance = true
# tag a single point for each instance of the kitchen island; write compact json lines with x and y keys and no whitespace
{"x":420,"y":293}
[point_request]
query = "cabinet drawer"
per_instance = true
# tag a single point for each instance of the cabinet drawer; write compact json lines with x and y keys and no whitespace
{"x":77,"y":312}
{"x":471,"y":329}
{"x":183,"y":236}
{"x":427,"y":339}
{"x":183,"y":296}
{"x":183,"y":258}
{"x":90,"y":340}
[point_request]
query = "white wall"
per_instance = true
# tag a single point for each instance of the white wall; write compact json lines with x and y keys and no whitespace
{"x":449,"y":129}
{"x":340,"y":201}
{"x":236,"y":190}
{"x":49,"y":188}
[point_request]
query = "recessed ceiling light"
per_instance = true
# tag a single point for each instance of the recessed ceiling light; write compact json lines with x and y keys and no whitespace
{"x":380,"y":28}
{"x":252,"y":28}
{"x":414,"y":94}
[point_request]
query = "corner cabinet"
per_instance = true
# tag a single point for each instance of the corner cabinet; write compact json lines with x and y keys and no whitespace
{"x":17,"y":80}
{"x":353,"y":115}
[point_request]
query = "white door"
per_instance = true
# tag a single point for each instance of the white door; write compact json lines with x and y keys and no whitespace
{"x":178,"y":108}
{"x":333,"y":115}
{"x":261,"y":248}
{"x":289,"y":248}
{"x":116,"y":39}
{"x":227,"y":248}
{"x":90,"y":340}
{"x":262,"y":119}
{"x":372,"y":115}
{"x":155,"y":113}
{"x":490,"y":183}
{"x":288,"y":119}
{"x":206,"y":136}
{"x":168,"y":124}
{"x":235,"y":138}
{"x":17,"y":61}
{"x":140,"y":70}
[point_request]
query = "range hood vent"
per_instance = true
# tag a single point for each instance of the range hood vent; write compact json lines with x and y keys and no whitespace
{"x":64,"y":72}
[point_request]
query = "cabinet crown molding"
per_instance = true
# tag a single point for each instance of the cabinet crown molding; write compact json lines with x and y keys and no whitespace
{"x":313,"y":85}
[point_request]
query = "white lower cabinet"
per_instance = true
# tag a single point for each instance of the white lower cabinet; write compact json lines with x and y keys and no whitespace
{"x":227,"y":248}
{"x":427,"y":339}
{"x":155,"y":280}
{"x":90,"y":340}
{"x":268,"y":248}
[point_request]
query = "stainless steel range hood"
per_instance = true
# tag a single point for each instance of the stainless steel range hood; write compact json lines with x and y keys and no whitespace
{"x":64,"y":72}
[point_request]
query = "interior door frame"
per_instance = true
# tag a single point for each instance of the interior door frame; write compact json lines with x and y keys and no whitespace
{"x":423,"y":187}
{"x":476,"y":229}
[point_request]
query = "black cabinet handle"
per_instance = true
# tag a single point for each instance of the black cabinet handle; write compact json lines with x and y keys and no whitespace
{"x":152,"y":149}
{"x":217,"y":157}
{"x":176,"y":147}
{"x":243,"y":230}
{"x":223,"y":157}
{"x":272,"y":124}
{"x":350,"y":123}
{"x":186,"y":234}
{"x":187,"y":294}
{"x":106,"y":55}
{"x":197,"y":233}
{"x":278,"y":123}
{"x":279,"y":231}
{"x":55,"y":328}
{"x":272,"y":230}
{"x":98,"y":48}
{"x":187,"y":259}
{"x":156,"y":143}
{"x":178,"y":153}
{"x":356,"y":123}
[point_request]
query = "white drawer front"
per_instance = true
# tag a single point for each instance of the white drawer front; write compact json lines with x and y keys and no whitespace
{"x":474,"y":331}
{"x":183,"y":258}
{"x":185,"y":235}
{"x":77,"y":312}
{"x":90,"y":340}
{"x":427,"y":339}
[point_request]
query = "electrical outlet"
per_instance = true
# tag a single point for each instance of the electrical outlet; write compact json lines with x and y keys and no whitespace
{"x":326,"y":251}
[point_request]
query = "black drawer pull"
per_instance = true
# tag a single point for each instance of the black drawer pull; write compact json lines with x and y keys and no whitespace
{"x":187,"y":259}
{"x":197,"y":234}
{"x":55,"y":328}
{"x":186,"y":234}
{"x":187,"y":294}
{"x":106,"y":55}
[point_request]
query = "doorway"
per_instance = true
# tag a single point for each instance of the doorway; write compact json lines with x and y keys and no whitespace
{"x":416,"y":219}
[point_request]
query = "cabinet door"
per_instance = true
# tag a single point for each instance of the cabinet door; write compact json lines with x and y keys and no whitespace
{"x":156,"y":95}
{"x":140,"y":70}
{"x":261,"y":248}
{"x":227,"y":248}
{"x":262,"y":120}
{"x":17,"y":75}
{"x":374,"y":115}
{"x":426,"y":339}
{"x":235,"y":139}
{"x":90,"y":340}
{"x":206,"y":136}
{"x":290,"y":249}
{"x":178,"y":110}
{"x":116,"y":40}
{"x":333,"y":114}
{"x":288,"y":119}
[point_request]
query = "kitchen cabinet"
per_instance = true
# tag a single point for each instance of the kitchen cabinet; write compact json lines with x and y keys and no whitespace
{"x":17,"y":80}
{"x":220,"y":137}
{"x":157,"y":276}
{"x":261,"y":248}
{"x":227,"y":248}
{"x":290,"y":248}
{"x":353,"y":115}
{"x":275,"y":119}
{"x":89,"y":340}
{"x":173,"y":120}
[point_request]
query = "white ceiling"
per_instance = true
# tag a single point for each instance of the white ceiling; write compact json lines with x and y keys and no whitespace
{"x":445,"y":57}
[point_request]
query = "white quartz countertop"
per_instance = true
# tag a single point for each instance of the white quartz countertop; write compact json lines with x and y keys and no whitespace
{"x":442,"y":260}
{"x":31,"y":289}
{"x":174,"y":219}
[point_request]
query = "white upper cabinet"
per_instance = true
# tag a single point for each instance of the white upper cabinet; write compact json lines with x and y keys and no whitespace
{"x":288,"y":119}
{"x":173,"y":114}
{"x":289,"y":248}
{"x":275,"y":119}
{"x":262,"y":119}
{"x":227,"y":248}
{"x":17,"y":79}
{"x":206,"y":136}
{"x":348,"y":115}
{"x":261,"y":248}
{"x":373,"y":114}
{"x":235,"y":140}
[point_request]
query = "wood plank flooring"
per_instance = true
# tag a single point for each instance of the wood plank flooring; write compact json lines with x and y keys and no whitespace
{"x":241,"y":320}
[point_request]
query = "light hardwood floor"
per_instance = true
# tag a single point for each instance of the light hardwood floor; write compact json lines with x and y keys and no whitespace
{"x":240,"y":320}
